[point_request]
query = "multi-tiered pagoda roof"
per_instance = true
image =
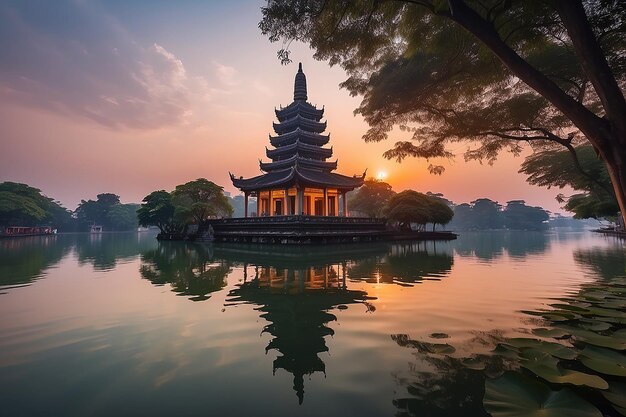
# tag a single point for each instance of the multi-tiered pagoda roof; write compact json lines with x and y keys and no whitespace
{"x":299,"y":157}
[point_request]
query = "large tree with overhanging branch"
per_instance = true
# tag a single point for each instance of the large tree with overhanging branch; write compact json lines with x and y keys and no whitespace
{"x":494,"y":74}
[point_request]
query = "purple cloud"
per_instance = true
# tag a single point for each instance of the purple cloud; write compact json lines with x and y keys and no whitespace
{"x":71,"y":58}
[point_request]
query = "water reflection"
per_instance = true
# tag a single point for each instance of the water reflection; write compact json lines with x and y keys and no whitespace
{"x":405,"y":264}
{"x":295,"y":295}
{"x":438,"y":384}
{"x":24,"y":260}
{"x":106,"y":251}
{"x":489,"y":246}
{"x":190,"y":269}
{"x":603,"y":262}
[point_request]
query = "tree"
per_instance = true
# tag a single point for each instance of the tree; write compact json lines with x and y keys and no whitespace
{"x":518,"y":216}
{"x":555,"y":168}
{"x":371,"y":198}
{"x":157,"y":210}
{"x":196,"y":201}
{"x":499,"y":72}
{"x":441,"y":213}
{"x":123,"y":216}
{"x":23,"y":205}
{"x":97,"y":212}
{"x":486,"y":214}
{"x":410,"y":206}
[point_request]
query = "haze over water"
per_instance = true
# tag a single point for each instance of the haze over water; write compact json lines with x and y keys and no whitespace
{"x":120,"y":324}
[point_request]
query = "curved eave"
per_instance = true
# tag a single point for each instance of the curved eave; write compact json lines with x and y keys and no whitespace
{"x":302,"y":108}
{"x":297,"y":160}
{"x":299,"y":122}
{"x":301,"y":148}
{"x":269,"y":180}
{"x":309,"y":138}
{"x":319,"y":179}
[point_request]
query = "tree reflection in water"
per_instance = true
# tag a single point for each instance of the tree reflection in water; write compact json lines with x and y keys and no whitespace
{"x":23,"y":260}
{"x":441,"y":384}
{"x":405,"y":264}
{"x":189,"y":268}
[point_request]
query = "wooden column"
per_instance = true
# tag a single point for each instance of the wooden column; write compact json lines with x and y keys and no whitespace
{"x":325,"y":211}
{"x":245,"y":204}
{"x":286,"y":208}
{"x":300,"y":201}
{"x":271,"y":206}
{"x":344,"y":204}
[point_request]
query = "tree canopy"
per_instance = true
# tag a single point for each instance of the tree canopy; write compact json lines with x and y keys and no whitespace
{"x":495,"y":74}
{"x":586,"y":173}
{"x":189,"y":203}
{"x":107,"y":211}
{"x":158,"y":210}
{"x":196,"y":201}
{"x":371,"y":198}
{"x":411,"y":206}
{"x":23,"y":205}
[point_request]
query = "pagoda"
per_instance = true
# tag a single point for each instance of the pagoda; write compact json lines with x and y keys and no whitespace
{"x":299,"y":179}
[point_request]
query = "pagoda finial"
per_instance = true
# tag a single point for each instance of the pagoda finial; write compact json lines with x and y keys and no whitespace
{"x":299,"y":89}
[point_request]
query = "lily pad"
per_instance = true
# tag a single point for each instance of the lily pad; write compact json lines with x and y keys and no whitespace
{"x":546,"y":367}
{"x":616,"y":394}
{"x":516,"y":395}
{"x":615,"y":341}
{"x":605,"y":361}
{"x":554,"y":349}
{"x":595,"y":324}
{"x":474,"y":364}
{"x":554,"y":332}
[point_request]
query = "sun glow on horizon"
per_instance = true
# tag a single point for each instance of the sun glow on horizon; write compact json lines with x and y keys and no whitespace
{"x":382,"y":175}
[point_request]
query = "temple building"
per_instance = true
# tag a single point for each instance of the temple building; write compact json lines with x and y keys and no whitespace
{"x":299,"y":179}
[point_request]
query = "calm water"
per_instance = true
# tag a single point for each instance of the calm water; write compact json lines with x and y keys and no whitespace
{"x":122,"y":325}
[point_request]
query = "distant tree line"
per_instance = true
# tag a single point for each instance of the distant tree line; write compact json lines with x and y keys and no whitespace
{"x":23,"y":205}
{"x":413,"y":209}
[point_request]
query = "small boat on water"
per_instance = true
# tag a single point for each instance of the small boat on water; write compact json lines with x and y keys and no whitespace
{"x":96,"y":229}
{"x":17,"y":231}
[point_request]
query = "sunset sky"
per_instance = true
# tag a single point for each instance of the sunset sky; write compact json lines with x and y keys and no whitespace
{"x":131,"y":97}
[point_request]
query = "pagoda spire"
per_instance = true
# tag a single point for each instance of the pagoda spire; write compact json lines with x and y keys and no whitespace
{"x":299,"y":88}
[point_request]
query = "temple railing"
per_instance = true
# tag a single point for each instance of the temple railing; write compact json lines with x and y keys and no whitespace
{"x":270,"y":220}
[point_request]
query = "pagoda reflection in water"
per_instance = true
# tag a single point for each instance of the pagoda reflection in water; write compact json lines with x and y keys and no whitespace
{"x":295,"y":296}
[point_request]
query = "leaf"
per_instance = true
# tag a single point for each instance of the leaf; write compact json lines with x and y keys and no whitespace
{"x":554,"y":349}
{"x":545,"y":366}
{"x":554,"y":332}
{"x":616,"y":394}
{"x":605,"y":361}
{"x":516,"y":395}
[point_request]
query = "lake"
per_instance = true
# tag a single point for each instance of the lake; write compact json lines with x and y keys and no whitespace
{"x":120,"y":324}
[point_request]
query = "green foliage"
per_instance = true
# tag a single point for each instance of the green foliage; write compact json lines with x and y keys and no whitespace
{"x":519,"y":216}
{"x":557,"y":168}
{"x":23,"y":205}
{"x":198,"y":200}
{"x":516,"y":395}
{"x":371,"y":198}
{"x":123,"y":216}
{"x":157,"y":209}
{"x":91,"y":212}
{"x":410,"y":206}
{"x":485,"y":214}
{"x":190,"y":203}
